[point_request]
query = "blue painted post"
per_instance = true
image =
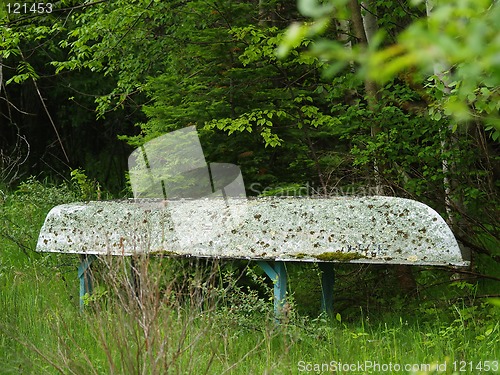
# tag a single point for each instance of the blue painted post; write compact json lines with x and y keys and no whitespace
{"x":327,"y":283}
{"x":277,"y":273}
{"x":85,"y":277}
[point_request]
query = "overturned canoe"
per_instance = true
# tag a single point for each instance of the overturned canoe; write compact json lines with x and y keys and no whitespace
{"x":345,"y":229}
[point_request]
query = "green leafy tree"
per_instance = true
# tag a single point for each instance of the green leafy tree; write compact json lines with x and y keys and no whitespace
{"x":461,"y":37}
{"x":48,"y":124}
{"x":438,"y":77}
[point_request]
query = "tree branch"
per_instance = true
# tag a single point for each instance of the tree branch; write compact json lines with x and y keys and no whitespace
{"x":47,"y":112}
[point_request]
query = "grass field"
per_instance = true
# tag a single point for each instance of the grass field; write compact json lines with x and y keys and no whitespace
{"x":192,"y":318}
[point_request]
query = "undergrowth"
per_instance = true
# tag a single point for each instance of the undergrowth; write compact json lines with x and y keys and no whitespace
{"x":178,"y":316}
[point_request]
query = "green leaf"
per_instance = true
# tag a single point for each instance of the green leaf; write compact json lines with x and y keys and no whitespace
{"x":494,"y":301}
{"x":292,"y":39}
{"x":315,"y":9}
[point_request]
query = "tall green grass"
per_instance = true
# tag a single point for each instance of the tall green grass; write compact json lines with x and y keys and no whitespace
{"x":43,"y":332}
{"x":201,"y":318}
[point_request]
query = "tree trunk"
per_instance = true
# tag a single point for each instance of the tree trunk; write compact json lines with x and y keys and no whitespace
{"x":370,"y":19}
{"x":371,"y":88}
{"x":358,"y":26}
{"x":364,"y":30}
{"x":448,"y":144}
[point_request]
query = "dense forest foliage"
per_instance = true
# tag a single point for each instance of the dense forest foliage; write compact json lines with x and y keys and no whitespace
{"x":309,"y":98}
{"x":342,"y":98}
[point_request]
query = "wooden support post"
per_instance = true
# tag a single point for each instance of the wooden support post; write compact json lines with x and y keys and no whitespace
{"x":277,"y":273}
{"x":327,"y":283}
{"x":85,"y":276}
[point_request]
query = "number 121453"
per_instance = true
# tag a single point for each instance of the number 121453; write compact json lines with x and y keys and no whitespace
{"x":26,"y":8}
{"x":470,"y":366}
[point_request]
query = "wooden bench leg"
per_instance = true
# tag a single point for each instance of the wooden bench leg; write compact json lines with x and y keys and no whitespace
{"x":327,"y":283}
{"x":277,"y":273}
{"x":85,"y":277}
